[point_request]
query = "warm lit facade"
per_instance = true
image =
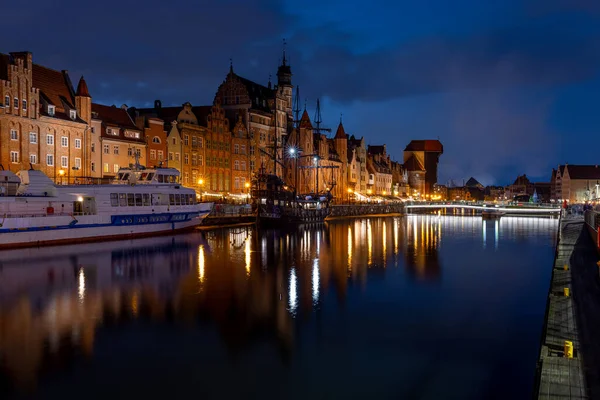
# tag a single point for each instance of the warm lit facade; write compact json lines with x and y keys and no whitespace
{"x":577,"y":183}
{"x":426,"y":155}
{"x":380,"y":174}
{"x":156,"y":140}
{"x":43,"y":120}
{"x":116,"y":142}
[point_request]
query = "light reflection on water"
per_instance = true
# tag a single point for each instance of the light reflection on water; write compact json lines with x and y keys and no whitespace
{"x":381,"y":295}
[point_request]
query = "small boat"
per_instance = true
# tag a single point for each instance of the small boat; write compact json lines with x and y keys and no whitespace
{"x":139,"y":202}
{"x":492,"y":214}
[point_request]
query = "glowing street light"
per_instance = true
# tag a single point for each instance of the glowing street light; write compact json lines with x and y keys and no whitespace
{"x":200,"y":181}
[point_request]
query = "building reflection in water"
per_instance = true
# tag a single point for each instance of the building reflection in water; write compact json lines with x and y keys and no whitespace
{"x":247,"y":284}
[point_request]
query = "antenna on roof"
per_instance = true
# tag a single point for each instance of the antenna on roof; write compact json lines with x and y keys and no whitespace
{"x":341,"y":115}
{"x":230,"y":65}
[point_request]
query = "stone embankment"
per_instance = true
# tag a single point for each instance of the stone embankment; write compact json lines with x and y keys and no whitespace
{"x":362,"y":210}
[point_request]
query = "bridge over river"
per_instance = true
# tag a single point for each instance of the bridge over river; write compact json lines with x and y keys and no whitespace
{"x":475,"y":207}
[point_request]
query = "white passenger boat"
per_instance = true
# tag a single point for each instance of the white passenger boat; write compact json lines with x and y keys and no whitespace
{"x":140,"y":202}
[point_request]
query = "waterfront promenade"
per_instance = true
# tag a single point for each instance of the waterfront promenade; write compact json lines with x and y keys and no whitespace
{"x":558,"y":376}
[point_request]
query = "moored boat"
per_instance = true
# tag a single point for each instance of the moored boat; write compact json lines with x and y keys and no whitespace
{"x":140,"y":202}
{"x":492,"y":214}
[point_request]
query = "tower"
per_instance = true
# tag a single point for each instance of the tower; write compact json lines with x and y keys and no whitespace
{"x":341,"y":147}
{"x":284,"y":82}
{"x":83,"y":101}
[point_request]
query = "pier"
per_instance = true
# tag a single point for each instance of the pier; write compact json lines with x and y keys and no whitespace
{"x":560,"y":371}
{"x":524,"y":209}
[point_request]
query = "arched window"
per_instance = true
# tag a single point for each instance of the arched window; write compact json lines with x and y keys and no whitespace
{"x":156,"y":139}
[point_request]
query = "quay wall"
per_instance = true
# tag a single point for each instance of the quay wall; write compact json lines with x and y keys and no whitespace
{"x":362,"y":210}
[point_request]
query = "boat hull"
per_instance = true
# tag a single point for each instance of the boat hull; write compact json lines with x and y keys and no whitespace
{"x":94,"y":229}
{"x":281,"y":217}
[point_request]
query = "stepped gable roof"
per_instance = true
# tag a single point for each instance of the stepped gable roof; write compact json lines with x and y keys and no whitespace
{"x":305,"y":121}
{"x":413,"y":164}
{"x":562,"y":169}
{"x":340,"y":133}
{"x":170,"y":114}
{"x":202,"y":113}
{"x":376,"y":149}
{"x":114,"y":116}
{"x":472,"y":182}
{"x":82,"y":89}
{"x":583,"y":171}
{"x":425,"y":145}
{"x":522,"y":180}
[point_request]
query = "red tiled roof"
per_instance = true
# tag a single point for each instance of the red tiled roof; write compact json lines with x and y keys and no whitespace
{"x":54,"y":86}
{"x":413,"y":164}
{"x":583,"y":171}
{"x":115,"y":116}
{"x":82,"y":89}
{"x":425,"y":145}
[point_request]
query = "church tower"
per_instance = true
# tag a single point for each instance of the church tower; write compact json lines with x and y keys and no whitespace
{"x":284,"y":83}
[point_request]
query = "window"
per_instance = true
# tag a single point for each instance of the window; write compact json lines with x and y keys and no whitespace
{"x":49,"y":160}
{"x":129,"y":151}
{"x":64,"y":141}
{"x":7,"y":101}
{"x":251,"y":150}
{"x":93,"y":130}
{"x":106,"y":169}
{"x":243,"y":165}
{"x":77,"y":143}
{"x":252,"y":165}
{"x":170,"y":156}
{"x":174,"y":141}
{"x":236,"y":183}
{"x":14,"y":135}
{"x":153,"y":154}
{"x":72,"y":114}
{"x":132,"y":135}
{"x":116,"y":150}
{"x":236,"y":165}
{"x":50,"y":140}
{"x":93,"y":147}
{"x":186,"y":139}
{"x":77,"y":163}
{"x":93,"y":167}
{"x":115,"y":168}
{"x":161,"y":155}
{"x":32,"y":137}
{"x":177,"y":157}
{"x":200,"y":142}
{"x":194,"y":141}
{"x":24,"y":105}
{"x":14,"y":156}
{"x":236,"y":149}
{"x":114,"y":199}
{"x":138,"y":152}
{"x":64,"y":162}
{"x":186,"y":158}
{"x":186,"y":178}
{"x":33,"y":158}
{"x":200,"y":159}
{"x":16,"y":102}
{"x":51,"y":110}
{"x":156,"y":140}
{"x":243,"y":149}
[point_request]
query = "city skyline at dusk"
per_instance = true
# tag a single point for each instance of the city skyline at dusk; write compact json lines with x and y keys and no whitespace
{"x":508,"y":89}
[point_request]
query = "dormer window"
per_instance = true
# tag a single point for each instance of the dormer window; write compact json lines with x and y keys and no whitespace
{"x":72,"y":114}
{"x":51,"y":110}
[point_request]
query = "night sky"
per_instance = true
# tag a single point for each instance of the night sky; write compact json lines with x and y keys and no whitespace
{"x":508,"y":86}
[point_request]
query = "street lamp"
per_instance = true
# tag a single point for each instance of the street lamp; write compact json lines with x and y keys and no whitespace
{"x":61,"y":172}
{"x":349,"y":193}
{"x":200,"y":183}
{"x":247,"y":185}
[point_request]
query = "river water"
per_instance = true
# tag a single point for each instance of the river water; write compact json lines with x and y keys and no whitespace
{"x":416,"y":307}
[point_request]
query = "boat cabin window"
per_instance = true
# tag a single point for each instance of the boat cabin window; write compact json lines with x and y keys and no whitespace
{"x":114,"y":199}
{"x":146,"y":198}
{"x":123,"y":199}
{"x":123,"y":176}
{"x":138,"y":199}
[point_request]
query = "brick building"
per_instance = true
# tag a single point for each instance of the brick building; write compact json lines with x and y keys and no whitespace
{"x":156,"y":139}
{"x":115,"y":141}
{"x":426,"y":155}
{"x":43,"y":120}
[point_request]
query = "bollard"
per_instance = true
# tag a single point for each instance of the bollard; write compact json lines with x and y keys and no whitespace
{"x":566,"y":292}
{"x":566,"y":267}
{"x":568,"y":349}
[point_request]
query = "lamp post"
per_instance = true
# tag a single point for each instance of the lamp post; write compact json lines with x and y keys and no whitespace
{"x":61,"y":172}
{"x":247,"y":185}
{"x":294,"y":154}
{"x":349,"y":193}
{"x":200,"y":184}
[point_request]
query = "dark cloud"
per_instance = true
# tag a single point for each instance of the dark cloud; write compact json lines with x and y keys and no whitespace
{"x":546,"y":56}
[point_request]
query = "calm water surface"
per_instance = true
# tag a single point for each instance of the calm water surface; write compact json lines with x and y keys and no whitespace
{"x":418,"y":307}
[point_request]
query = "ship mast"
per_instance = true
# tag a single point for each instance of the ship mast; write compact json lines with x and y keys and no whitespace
{"x":317,"y":131}
{"x":296,"y":137}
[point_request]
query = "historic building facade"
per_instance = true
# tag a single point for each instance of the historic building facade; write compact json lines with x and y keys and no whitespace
{"x":426,"y":155}
{"x":43,"y":120}
{"x":156,"y":139}
{"x":116,"y":141}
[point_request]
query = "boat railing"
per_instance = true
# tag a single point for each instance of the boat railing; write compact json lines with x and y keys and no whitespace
{"x":39,"y":215}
